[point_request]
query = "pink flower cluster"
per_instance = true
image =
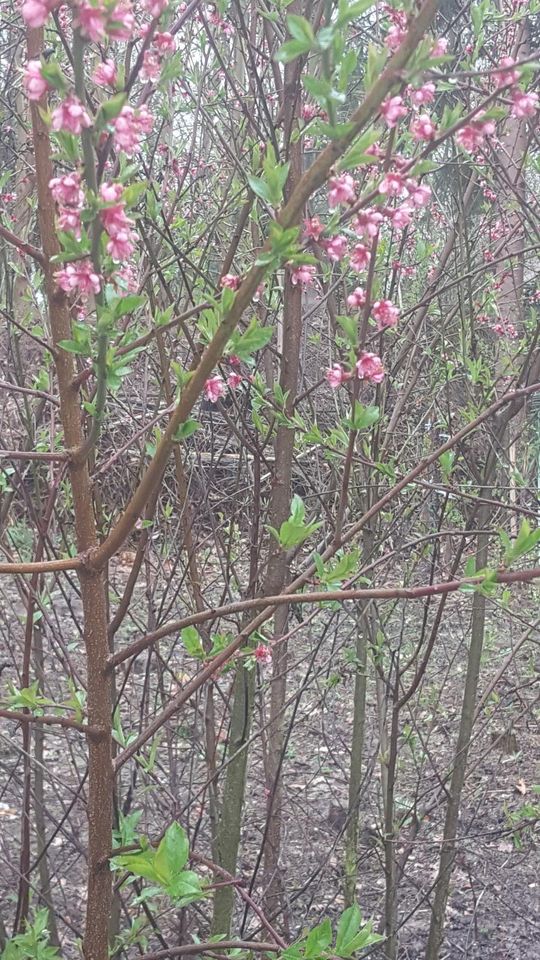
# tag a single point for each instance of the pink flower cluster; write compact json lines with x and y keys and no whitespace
{"x":368,"y":367}
{"x":163,"y":44}
{"x":68,"y":194}
{"x":263,"y":654}
{"x":35,"y":12}
{"x":71,"y":116}
{"x":105,"y":74}
{"x":231,"y":281}
{"x":385,"y":313}
{"x":34,"y":83}
{"x":97,"y":21}
{"x":304,"y":274}
{"x":473,"y":134}
{"x":392,"y":110}
{"x":341,"y":189}
{"x":117,"y":225}
{"x":79,"y":277}
{"x":129,"y":127}
{"x":214,"y":387}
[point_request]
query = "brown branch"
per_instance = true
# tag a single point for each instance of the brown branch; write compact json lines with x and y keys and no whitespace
{"x":31,"y":455}
{"x":22,"y":245}
{"x":211,"y":946}
{"x":48,"y":720}
{"x":381,"y":593}
{"x":15,"y":388}
{"x":316,"y":596}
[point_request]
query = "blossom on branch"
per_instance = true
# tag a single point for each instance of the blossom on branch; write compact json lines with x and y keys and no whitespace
{"x":34,"y":83}
{"x":214,"y":388}
{"x":71,"y":116}
{"x":385,"y":313}
{"x":78,"y":277}
{"x":369,"y":367}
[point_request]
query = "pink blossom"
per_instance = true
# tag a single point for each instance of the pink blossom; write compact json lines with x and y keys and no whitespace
{"x":111,"y":192}
{"x":155,"y":7}
{"x":506,"y":74}
{"x":164,"y":42}
{"x":120,"y":245}
{"x":313,"y":228}
{"x":125,"y":280}
{"x":401,"y":216}
{"x":69,"y":220}
{"x":234,"y":380}
{"x":423,"y":127}
{"x":129,"y":127}
{"x":79,"y":277}
{"x":105,"y":74}
{"x":392,"y":109}
{"x":360,"y":257}
{"x":336,"y":247}
{"x":71,"y":116}
{"x":34,"y":83}
{"x":395,"y":37}
{"x":422,"y":95}
{"x":336,"y":375}
{"x":214,"y":388}
{"x":231,"y":281}
{"x":367,"y":222}
{"x":35,"y":12}
{"x":145,"y":119}
{"x":369,"y":367}
{"x":524,"y":104}
{"x":440,"y":47}
{"x":341,"y":190}
{"x":309,"y":111}
{"x":304,"y":274}
{"x":263,"y":654}
{"x":66,"y":190}
{"x":357,"y":298}
{"x":385,"y":313}
{"x":375,"y":150}
{"x":122,"y":21}
{"x":419,"y":194}
{"x":472,"y":135}
{"x":91,"y":21}
{"x":151,"y":66}
{"x":114,"y":219}
{"x":393,"y":184}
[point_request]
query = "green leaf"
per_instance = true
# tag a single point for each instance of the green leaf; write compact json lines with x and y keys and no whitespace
{"x":134,"y":192}
{"x":141,"y":864}
{"x":318,"y":940}
{"x":127,"y":304}
{"x":348,"y":927}
{"x":356,"y":154}
{"x":260,"y":188}
{"x":363,"y":417}
{"x":300,"y":29}
{"x":111,"y":108}
{"x":350,"y":11}
{"x":52,"y":73}
{"x":349,"y":325}
{"x":186,"y":429}
{"x":294,"y":531}
{"x":253,"y":339}
{"x":176,"y":846}
{"x":192,"y":642}
{"x":291,"y":50}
